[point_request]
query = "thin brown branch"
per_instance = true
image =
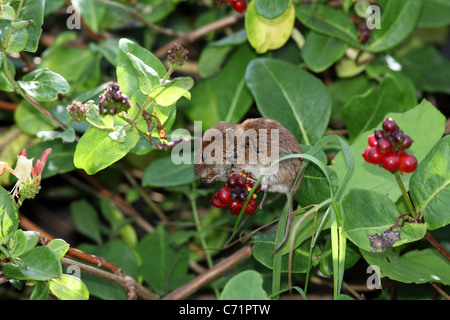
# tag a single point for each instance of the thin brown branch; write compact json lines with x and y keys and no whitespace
{"x":213,"y":273}
{"x":439,"y":289}
{"x":200,"y":32}
{"x":137,"y":15}
{"x":132,"y":287}
{"x":8,"y":106}
{"x":437,"y":246}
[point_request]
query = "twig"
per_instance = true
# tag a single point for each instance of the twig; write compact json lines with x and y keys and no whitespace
{"x":197,"y":33}
{"x":213,"y":273}
{"x":442,"y":292}
{"x":437,"y":246}
{"x":136,"y":14}
{"x":128,"y":283}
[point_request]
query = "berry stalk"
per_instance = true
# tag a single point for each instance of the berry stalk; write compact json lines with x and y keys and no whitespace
{"x":405,"y":194}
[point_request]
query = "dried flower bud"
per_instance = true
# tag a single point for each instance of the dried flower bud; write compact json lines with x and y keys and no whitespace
{"x":113,"y":101}
{"x":177,"y":55}
{"x":78,"y":111}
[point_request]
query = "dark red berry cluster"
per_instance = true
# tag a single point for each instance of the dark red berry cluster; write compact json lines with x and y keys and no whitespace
{"x":238,"y":5}
{"x":113,"y":100}
{"x":235,"y":193}
{"x":387,"y":148}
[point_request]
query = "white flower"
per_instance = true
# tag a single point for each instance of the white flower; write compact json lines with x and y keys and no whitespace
{"x":22,"y":171}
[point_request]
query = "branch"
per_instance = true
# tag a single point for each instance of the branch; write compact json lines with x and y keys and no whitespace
{"x":213,"y":273}
{"x":200,"y":32}
{"x":128,"y":283}
{"x":436,"y":245}
{"x":136,"y":14}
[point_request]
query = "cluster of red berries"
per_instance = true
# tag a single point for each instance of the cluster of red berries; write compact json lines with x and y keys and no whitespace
{"x":235,"y":193}
{"x":238,"y":5}
{"x":387,"y":148}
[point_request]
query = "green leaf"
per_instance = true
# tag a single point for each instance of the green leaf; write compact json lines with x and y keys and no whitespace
{"x":366,"y":213}
{"x":59,"y":247}
{"x":41,"y":264}
{"x":418,"y":266}
{"x":204,"y":104}
{"x":96,"y":151}
{"x":247,"y":285}
{"x":435,"y":13}
{"x":162,"y":266}
{"x":8,"y":13}
{"x":328,"y":21}
{"x":92,"y":12}
{"x":427,"y":68}
{"x":22,"y":241}
{"x":86,"y":220}
{"x":398,"y":19}
{"x":364,"y":111}
{"x":211,"y":59}
{"x":430,"y":185}
{"x":294,"y":97}
{"x":169,"y":92}
{"x":18,"y":41}
{"x":44,"y":85}
{"x":30,"y":120}
{"x":148,"y":78}
{"x":18,"y":243}
{"x":424,"y":124}
{"x":234,"y":102}
{"x":40,"y":291}
{"x":9,"y":218}
{"x":268,"y":34}
{"x":271,"y":9}
{"x":30,"y":11}
{"x":321,"y":51}
{"x":69,"y":288}
{"x":164,"y":172}
{"x":127,"y":75}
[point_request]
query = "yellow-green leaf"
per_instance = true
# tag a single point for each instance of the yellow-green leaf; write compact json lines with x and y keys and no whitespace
{"x":268,"y":34}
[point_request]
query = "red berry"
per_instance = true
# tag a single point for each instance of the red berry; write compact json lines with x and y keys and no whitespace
{"x":232,"y":181}
{"x":372,"y":140}
{"x":224,"y":195}
{"x":241,"y":181}
{"x":389,"y":125}
{"x":407,"y":142}
{"x":235,"y":208}
{"x":391,"y":161}
{"x":239,"y":5}
{"x":366,"y":154}
{"x":251,"y":207}
{"x":216,"y":202}
{"x":374,"y":156}
{"x":384,"y":145}
{"x":379,"y":134}
{"x":408,"y":163}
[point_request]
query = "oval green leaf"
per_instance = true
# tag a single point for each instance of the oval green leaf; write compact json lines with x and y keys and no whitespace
{"x":289,"y":94}
{"x":69,"y":288}
{"x":366,"y":214}
{"x":430,"y":185}
{"x":41,"y":264}
{"x":96,"y":150}
{"x":164,"y":172}
{"x":268,"y":34}
{"x":247,"y":285}
{"x":44,"y":85}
